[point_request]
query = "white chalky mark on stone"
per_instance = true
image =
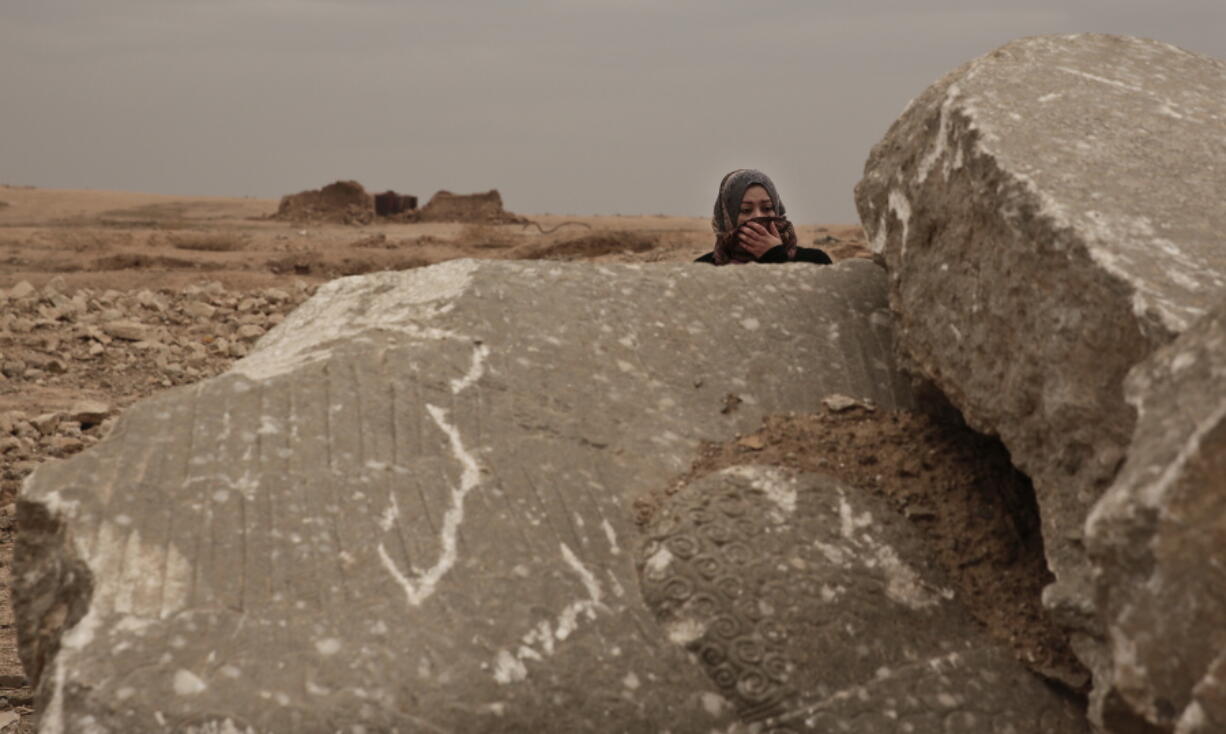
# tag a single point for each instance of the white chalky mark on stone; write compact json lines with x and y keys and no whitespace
{"x":938,"y":145}
{"x":568,"y":620}
{"x":631,"y":681}
{"x":612,"y":536}
{"x":328,"y":646}
{"x":684,"y":631}
{"x":422,"y":586}
{"x":187,"y":683}
{"x":391,"y":514}
{"x":901,"y":209}
{"x":713,"y":703}
{"x":1182,"y":361}
{"x":508,"y":668}
{"x":750,"y":324}
{"x":348,"y":305}
{"x":659,"y":560}
{"x":848,"y":522}
{"x":475,"y":370}
{"x":903,"y":584}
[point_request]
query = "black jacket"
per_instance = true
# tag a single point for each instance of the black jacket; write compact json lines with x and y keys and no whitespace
{"x":778,"y":254}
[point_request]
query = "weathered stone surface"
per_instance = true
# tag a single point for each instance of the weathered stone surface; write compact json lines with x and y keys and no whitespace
{"x":408,"y":508}
{"x":1050,"y":214}
{"x":815,"y":607}
{"x":1158,"y":541}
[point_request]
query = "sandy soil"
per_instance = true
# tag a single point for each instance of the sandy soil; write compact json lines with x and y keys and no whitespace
{"x":156,"y":259}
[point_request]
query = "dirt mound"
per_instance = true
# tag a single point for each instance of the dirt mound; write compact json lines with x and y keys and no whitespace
{"x":343,"y":201}
{"x":445,"y":206}
{"x":593,"y":245}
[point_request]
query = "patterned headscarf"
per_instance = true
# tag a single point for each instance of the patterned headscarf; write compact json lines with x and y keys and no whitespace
{"x":727,"y":208}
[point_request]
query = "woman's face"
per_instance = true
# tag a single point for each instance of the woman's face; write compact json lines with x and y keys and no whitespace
{"x":755,"y":203}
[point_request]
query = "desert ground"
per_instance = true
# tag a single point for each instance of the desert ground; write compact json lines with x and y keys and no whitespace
{"x":107,"y":297}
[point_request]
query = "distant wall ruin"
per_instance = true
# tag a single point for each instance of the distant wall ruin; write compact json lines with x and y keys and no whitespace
{"x":445,"y":206}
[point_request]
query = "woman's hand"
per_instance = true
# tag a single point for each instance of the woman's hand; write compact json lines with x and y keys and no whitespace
{"x":757,"y":240}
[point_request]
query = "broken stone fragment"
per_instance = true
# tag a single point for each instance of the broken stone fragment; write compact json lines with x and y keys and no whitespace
{"x":127,"y":330}
{"x":452,"y":449}
{"x":249,"y":331}
{"x":815,"y":607}
{"x":1084,"y":163}
{"x":89,"y":412}
{"x":198,"y":309}
{"x":46,"y":423}
{"x":22,"y":290}
{"x":1158,"y":539}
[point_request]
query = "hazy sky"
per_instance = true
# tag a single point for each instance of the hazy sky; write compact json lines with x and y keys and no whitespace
{"x":566,"y":106}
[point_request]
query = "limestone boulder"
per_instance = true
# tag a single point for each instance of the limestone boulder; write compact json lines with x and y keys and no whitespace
{"x":409,"y":507}
{"x":816,"y":607}
{"x":1158,"y":542}
{"x":1050,"y":214}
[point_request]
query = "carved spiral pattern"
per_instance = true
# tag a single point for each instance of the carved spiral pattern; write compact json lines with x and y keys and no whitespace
{"x":748,"y":607}
{"x":700,"y":516}
{"x":748,"y":651}
{"x":737,"y":553}
{"x":732,"y":505}
{"x":712,"y":656}
{"x":683,"y":546}
{"x":754,"y":686}
{"x":715,"y":543}
{"x":719,"y":533}
{"x":708,"y":566}
{"x":775,"y":666}
{"x":678,"y":588}
{"x":704,"y":605}
{"x":726,"y":627}
{"x":772,"y":631}
{"x":730,"y":586}
{"x":724,"y":676}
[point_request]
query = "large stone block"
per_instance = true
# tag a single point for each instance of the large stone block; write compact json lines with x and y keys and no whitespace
{"x":815,"y":607}
{"x":1050,"y":214}
{"x":1158,"y":542}
{"x":408,"y":509}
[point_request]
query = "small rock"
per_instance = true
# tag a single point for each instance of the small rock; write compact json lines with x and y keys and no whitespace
{"x":55,"y":285}
{"x":64,"y":445}
{"x":9,"y":443}
{"x":21,"y":326}
{"x":250,"y":331}
{"x":89,"y":412}
{"x":46,"y":423}
{"x":753,"y":443}
{"x":95,"y":349}
{"x":198,"y":309}
{"x":126,"y":330}
{"x":841,"y":403}
{"x":276,"y":295}
{"x":22,"y":290}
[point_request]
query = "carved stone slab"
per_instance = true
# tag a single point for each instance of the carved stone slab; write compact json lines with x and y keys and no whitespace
{"x":408,"y":509}
{"x":815,"y":607}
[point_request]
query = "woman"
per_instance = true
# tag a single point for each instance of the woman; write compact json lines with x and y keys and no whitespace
{"x":746,"y":195}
